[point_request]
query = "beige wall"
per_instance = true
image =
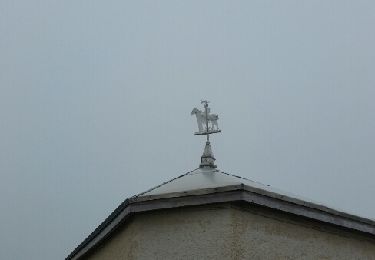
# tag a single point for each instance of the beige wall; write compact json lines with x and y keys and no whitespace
{"x":229,"y":232}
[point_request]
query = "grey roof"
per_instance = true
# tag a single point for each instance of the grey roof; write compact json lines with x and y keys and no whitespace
{"x":207,"y":178}
{"x":205,"y":186}
{"x":201,"y":178}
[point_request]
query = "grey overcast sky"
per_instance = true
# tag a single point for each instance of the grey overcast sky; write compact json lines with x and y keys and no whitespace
{"x":95,"y":102}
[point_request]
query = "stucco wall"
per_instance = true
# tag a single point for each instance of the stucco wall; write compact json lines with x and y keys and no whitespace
{"x":229,"y":232}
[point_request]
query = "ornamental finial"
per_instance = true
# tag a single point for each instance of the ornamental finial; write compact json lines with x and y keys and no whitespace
{"x":207,"y":124}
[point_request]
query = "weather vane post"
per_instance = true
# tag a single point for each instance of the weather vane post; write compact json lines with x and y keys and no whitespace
{"x":207,"y":124}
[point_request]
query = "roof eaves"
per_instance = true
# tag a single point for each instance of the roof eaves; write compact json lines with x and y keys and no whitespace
{"x":99,"y":229}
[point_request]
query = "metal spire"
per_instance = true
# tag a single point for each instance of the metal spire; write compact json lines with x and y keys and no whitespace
{"x":207,"y":124}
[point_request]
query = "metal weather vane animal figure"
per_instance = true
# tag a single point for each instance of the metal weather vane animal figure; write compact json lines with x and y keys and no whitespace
{"x":207,"y":124}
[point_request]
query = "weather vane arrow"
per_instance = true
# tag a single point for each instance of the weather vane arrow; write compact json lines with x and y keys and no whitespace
{"x":207,"y":124}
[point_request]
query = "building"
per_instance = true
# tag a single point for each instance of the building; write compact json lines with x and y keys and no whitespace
{"x":210,"y":214}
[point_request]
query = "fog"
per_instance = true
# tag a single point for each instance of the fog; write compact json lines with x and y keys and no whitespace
{"x":95,"y":102}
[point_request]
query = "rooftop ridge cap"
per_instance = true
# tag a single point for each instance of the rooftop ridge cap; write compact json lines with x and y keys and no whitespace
{"x":244,"y":178}
{"x":162,"y":184}
{"x":282,"y":193}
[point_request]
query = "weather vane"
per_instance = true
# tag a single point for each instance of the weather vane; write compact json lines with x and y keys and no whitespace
{"x":207,"y":124}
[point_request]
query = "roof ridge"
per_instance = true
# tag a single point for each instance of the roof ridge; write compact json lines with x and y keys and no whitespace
{"x":162,"y":184}
{"x":243,"y":178}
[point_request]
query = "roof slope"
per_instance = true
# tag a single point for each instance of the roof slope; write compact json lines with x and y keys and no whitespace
{"x":206,"y":178}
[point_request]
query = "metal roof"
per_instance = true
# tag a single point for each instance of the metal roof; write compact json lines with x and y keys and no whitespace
{"x":208,"y":185}
{"x":206,"y":178}
{"x":209,"y":180}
